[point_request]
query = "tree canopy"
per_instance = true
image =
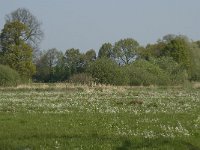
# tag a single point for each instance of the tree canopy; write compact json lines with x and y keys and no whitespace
{"x":106,"y":51}
{"x":172,"y":59}
{"x":15,"y":51}
{"x":24,"y":16}
{"x":125,"y":50}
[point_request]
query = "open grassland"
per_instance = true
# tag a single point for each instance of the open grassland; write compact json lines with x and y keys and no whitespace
{"x":62,"y":116}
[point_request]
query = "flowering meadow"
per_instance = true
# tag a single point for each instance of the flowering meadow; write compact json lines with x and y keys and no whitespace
{"x":64,"y":116}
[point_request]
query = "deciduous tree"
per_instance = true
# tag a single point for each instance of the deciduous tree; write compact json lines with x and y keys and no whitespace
{"x":74,"y":60}
{"x":106,"y":51}
{"x":24,"y":16}
{"x":179,"y":49}
{"x":126,"y":50}
{"x":15,"y":52}
{"x":51,"y":66}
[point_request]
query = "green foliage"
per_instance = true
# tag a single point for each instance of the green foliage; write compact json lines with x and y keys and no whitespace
{"x":106,"y":51}
{"x":87,"y":58}
{"x":74,"y":60}
{"x":171,"y":60}
{"x":20,"y":59}
{"x":195,"y":67}
{"x":51,"y":66}
{"x":125,"y":50}
{"x":179,"y":49}
{"x":25,"y":17}
{"x":13,"y":33}
{"x":15,"y":51}
{"x":8,"y":76}
{"x":106,"y":71}
{"x":61,"y":71}
{"x":90,"y":55}
{"x":145,"y":73}
{"x":152,"y":50}
{"x":160,"y":71}
{"x":175,"y":71}
{"x":42,"y":68}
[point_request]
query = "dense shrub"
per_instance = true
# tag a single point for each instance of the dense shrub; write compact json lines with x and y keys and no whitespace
{"x":106,"y":71}
{"x":160,"y":71}
{"x":179,"y":49}
{"x":142,"y":72}
{"x":195,"y":69}
{"x":8,"y":76}
{"x":174,"y":71}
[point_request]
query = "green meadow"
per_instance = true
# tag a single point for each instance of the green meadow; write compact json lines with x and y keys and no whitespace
{"x":64,"y":116}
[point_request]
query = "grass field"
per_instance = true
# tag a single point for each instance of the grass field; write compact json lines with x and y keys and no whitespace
{"x":62,"y":116}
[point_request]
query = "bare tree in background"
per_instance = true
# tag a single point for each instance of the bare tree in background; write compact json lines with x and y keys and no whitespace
{"x":24,"y":16}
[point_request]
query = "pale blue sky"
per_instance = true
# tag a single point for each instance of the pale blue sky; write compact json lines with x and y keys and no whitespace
{"x":87,"y":24}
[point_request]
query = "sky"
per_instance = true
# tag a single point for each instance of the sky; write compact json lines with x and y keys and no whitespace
{"x":87,"y":24}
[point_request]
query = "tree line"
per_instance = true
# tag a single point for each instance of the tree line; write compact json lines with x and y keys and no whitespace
{"x":171,"y":60}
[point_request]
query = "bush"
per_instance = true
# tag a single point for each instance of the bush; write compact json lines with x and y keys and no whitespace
{"x":160,"y":71}
{"x":8,"y":76}
{"x":195,"y":69}
{"x":142,"y":72}
{"x":106,"y":71}
{"x":175,"y":71}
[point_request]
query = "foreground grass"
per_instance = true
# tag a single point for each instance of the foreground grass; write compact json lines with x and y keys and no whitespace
{"x":81,"y":117}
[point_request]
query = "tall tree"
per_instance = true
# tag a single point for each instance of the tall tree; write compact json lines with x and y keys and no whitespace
{"x":126,"y":50}
{"x":24,"y":16}
{"x":62,"y":72}
{"x":42,"y":67}
{"x":152,"y":50}
{"x":14,"y":51}
{"x":13,"y":33}
{"x":179,"y":49}
{"x":85,"y":59}
{"x":74,"y":60}
{"x":51,"y":66}
{"x":90,"y":55}
{"x":52,"y":58}
{"x":167,"y":38}
{"x":106,"y":51}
